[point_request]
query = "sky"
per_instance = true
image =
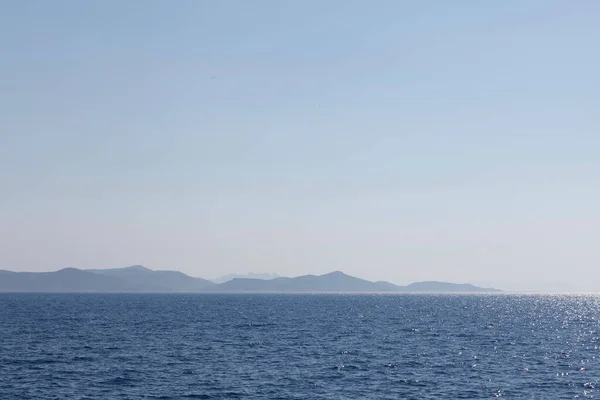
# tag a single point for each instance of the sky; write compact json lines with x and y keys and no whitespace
{"x":392,"y":140}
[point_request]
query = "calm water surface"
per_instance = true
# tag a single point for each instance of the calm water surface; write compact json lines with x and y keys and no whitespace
{"x":299,"y":346}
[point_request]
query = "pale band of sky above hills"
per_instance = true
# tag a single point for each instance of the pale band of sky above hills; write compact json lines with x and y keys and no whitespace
{"x":399,"y":141}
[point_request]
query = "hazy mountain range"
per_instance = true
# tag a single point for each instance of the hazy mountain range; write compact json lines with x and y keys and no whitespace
{"x":143,"y":280}
{"x":251,"y":275}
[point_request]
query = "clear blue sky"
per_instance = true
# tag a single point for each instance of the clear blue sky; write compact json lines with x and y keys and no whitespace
{"x":396,"y":140}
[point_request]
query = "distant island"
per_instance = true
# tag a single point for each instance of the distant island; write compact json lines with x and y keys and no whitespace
{"x":139,"y":279}
{"x":251,"y":275}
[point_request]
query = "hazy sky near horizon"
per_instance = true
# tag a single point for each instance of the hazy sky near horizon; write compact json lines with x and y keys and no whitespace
{"x":394,"y":140}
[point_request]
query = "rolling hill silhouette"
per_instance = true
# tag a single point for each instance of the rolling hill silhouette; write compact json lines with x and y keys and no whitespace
{"x":251,"y":275}
{"x":129,"y":279}
{"x":434,"y":286}
{"x":332,"y":282}
{"x":64,"y":280}
{"x":141,"y":279}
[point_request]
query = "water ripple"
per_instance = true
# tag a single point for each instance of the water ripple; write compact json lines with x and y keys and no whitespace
{"x":299,"y":346}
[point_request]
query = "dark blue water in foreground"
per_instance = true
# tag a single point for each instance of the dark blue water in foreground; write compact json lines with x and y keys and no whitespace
{"x":298,"y":346}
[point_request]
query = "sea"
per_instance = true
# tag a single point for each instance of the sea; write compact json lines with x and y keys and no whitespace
{"x":299,"y":346}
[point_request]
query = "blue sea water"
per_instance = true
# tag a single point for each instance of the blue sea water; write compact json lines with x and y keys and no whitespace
{"x":131,"y":346}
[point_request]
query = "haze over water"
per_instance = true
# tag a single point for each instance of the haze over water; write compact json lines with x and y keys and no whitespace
{"x":398,"y":141}
{"x":392,"y":140}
